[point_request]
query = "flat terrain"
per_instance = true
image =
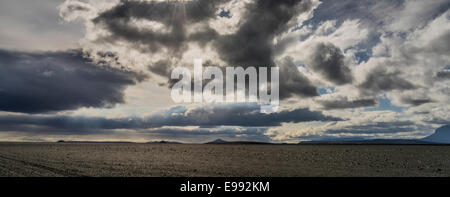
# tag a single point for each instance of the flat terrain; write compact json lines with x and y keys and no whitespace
{"x":96,"y":159}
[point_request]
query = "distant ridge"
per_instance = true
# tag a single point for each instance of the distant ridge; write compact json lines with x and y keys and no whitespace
{"x":220,"y":141}
{"x":374,"y":141}
{"x":440,"y":136}
{"x":106,"y":142}
{"x":163,"y":142}
{"x":217,"y":141}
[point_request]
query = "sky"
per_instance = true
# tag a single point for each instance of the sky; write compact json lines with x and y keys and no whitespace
{"x":100,"y":69}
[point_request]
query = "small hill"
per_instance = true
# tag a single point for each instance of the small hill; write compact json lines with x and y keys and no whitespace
{"x":163,"y":142}
{"x":217,"y":141}
{"x":220,"y":141}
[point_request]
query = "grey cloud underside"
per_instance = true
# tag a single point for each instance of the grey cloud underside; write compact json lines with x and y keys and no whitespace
{"x":345,"y":103}
{"x":329,"y":61}
{"x":379,"y":79}
{"x":416,"y":102}
{"x":161,"y":68}
{"x":292,"y":82}
{"x":243,"y":115}
{"x":56,"y":81}
{"x":443,"y":75}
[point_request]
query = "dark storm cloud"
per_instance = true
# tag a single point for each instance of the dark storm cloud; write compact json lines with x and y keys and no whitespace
{"x":250,"y":45}
{"x":379,"y":79}
{"x":118,"y":21}
{"x":161,"y":68}
{"x":442,"y":75}
{"x":328,"y":60}
{"x":415,"y":102}
{"x":54,"y":124}
{"x":292,"y":82}
{"x":245,"y":115}
{"x":345,"y":103}
{"x":55,"y":81}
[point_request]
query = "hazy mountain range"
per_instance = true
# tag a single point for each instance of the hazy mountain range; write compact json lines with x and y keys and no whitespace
{"x":440,"y":136}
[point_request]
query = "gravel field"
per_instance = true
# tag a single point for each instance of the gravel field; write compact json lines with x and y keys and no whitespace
{"x":149,"y":160}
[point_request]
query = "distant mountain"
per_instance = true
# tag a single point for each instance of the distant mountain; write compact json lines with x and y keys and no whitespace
{"x":217,"y":141}
{"x":220,"y":141}
{"x":163,"y":142}
{"x":441,"y":135}
{"x":374,"y":141}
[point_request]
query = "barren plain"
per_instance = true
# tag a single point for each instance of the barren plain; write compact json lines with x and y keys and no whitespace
{"x":215,"y":160}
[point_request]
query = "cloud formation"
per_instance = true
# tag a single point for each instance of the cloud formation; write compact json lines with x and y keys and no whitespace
{"x":57,"y":81}
{"x":380,"y":66}
{"x":379,"y":79}
{"x":244,"y":115}
{"x":344,"y":103}
{"x":171,"y":34}
{"x":329,"y":61}
{"x":292,"y":82}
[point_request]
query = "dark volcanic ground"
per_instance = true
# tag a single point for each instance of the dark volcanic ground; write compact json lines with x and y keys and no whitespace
{"x":97,"y":159}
